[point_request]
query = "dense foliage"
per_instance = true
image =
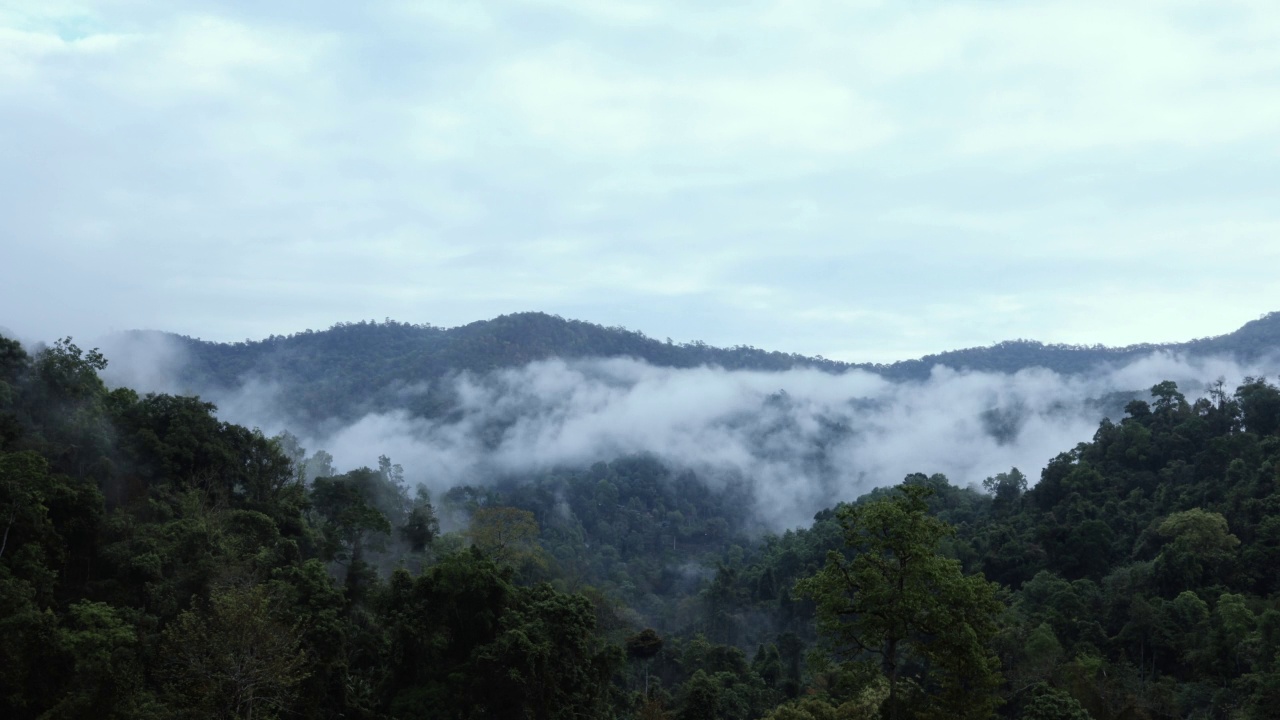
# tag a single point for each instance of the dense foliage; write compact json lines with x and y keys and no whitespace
{"x":158,"y":562}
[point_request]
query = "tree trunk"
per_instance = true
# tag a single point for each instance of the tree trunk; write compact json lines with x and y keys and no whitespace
{"x":4,"y":543}
{"x":891,"y":669}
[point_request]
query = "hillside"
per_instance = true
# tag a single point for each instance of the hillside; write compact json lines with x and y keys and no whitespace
{"x":353,"y":368}
{"x":1253,"y":340}
{"x":158,"y":562}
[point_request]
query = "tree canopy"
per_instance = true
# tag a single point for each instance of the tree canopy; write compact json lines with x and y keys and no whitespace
{"x":911,"y":609}
{"x":158,"y":562}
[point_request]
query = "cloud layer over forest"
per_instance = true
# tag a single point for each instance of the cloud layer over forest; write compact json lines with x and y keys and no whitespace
{"x":803,"y":439}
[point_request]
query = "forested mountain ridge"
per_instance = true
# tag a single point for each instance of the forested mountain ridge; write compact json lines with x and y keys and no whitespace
{"x":1253,"y":340}
{"x":519,"y":338}
{"x":357,"y":367}
{"x":158,"y":562}
{"x":353,"y":368}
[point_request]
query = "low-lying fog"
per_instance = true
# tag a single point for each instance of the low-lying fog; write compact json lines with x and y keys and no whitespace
{"x":804,"y":439}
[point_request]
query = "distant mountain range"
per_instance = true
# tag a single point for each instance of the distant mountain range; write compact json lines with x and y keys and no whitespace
{"x":356,"y":367}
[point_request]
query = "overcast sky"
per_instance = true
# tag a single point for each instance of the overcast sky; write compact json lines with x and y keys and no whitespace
{"x":862,"y":180}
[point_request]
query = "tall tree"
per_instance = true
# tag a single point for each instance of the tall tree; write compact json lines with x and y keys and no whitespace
{"x":506,"y":534}
{"x":233,"y":658}
{"x":421,"y":526}
{"x":643,"y":646}
{"x":902,"y":603}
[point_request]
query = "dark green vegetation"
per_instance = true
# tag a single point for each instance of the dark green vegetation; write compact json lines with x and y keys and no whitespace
{"x":157,"y":562}
{"x":355,"y":368}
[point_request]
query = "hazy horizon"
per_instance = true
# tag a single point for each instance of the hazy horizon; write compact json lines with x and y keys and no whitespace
{"x":106,"y":338}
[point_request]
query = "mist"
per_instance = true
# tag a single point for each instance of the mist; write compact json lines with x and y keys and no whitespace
{"x":802,"y":439}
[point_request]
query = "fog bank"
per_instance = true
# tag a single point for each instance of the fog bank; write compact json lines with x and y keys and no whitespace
{"x":803,"y":439}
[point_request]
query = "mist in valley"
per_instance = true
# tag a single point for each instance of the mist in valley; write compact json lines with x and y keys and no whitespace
{"x":801,"y":440}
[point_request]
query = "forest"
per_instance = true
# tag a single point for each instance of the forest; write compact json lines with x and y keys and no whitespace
{"x":358,"y":367}
{"x":158,"y":562}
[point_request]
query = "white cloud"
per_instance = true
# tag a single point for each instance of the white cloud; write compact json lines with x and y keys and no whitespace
{"x":749,"y":168}
{"x":613,"y":12}
{"x":577,"y":101}
{"x":831,"y":438}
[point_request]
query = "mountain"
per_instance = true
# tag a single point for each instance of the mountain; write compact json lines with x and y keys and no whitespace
{"x":355,"y":367}
{"x":1253,"y":340}
{"x":159,"y":562}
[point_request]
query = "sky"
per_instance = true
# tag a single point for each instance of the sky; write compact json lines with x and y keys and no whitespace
{"x":862,"y":180}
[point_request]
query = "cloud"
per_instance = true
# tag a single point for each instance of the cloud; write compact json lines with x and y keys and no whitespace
{"x":147,"y":362}
{"x":577,"y":101}
{"x":803,"y":440}
{"x":867,"y":180}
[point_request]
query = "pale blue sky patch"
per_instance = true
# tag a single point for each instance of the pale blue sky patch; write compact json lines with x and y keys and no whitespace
{"x":862,"y":180}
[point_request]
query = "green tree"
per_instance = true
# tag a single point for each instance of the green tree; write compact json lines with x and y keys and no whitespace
{"x":644,"y":646}
{"x":67,"y":374}
{"x":466,"y":643}
{"x":1006,"y":489}
{"x":28,"y":643}
{"x":701,"y":698}
{"x":546,"y":662}
{"x":421,"y":526}
{"x":865,"y":706}
{"x":506,"y":534}
{"x":318,"y":466}
{"x":1200,"y":549}
{"x":898,"y":600}
{"x":1042,"y":651}
{"x":233,"y":658}
{"x":349,"y":519}
{"x":107,"y":671}
{"x":1260,"y":405}
{"x":1167,"y":399}
{"x":1047,"y":703}
{"x":24,"y":487}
